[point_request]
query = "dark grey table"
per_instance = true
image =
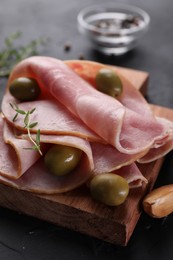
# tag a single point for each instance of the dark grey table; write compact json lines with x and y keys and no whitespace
{"x":23,"y":237}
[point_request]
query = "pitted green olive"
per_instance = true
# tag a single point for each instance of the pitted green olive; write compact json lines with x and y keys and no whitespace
{"x":61,"y":160}
{"x":25,"y":89}
{"x":109,"y":188}
{"x":108,"y":82}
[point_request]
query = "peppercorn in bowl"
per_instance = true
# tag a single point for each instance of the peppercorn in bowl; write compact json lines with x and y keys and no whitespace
{"x":113,"y":28}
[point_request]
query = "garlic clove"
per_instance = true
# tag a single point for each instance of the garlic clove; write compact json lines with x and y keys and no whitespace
{"x":159,"y":202}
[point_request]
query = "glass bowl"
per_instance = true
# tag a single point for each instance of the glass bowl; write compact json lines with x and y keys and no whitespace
{"x":113,"y":28}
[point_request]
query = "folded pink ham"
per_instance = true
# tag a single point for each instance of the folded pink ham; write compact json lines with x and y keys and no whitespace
{"x":113,"y":134}
{"x":125,"y":126}
{"x":18,"y":168}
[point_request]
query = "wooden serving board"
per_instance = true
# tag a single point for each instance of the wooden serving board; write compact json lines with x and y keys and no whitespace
{"x":76,"y":210}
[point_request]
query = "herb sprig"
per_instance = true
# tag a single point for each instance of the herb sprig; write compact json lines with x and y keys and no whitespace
{"x":11,"y":54}
{"x":28,"y":125}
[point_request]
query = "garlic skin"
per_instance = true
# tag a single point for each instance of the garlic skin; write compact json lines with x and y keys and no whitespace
{"x":159,"y":202}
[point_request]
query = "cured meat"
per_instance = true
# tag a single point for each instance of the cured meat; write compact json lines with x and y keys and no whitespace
{"x":133,"y":100}
{"x":71,"y":141}
{"x":38,"y":180}
{"x":108,"y":159}
{"x":130,"y":97}
{"x":72,"y":112}
{"x":132,"y":174}
{"x":14,"y":159}
{"x":124,"y":125}
{"x":103,"y":158}
{"x":61,"y":120}
{"x":163,"y":149}
{"x":8,"y":159}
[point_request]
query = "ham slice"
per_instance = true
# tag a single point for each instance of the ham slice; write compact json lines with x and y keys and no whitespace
{"x":14,"y":160}
{"x":72,"y":112}
{"x":60,"y":122}
{"x":71,"y":141}
{"x":133,"y":175}
{"x":133,"y":100}
{"x":19,"y":167}
{"x":125,"y":126}
{"x":103,"y":158}
{"x":108,"y":159}
{"x":38,"y":180}
{"x":165,"y":147}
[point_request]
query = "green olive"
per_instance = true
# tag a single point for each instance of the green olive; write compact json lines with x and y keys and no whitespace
{"x":108,"y":82}
{"x":24,"y":89}
{"x":61,"y":160}
{"x":109,"y":188}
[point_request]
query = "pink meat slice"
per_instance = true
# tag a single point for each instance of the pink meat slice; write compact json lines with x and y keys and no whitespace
{"x":132,"y":174}
{"x":52,"y":118}
{"x":14,"y":159}
{"x":163,"y":148}
{"x":38,"y":180}
{"x":108,"y":159}
{"x":33,"y":177}
{"x":130,"y":95}
{"x":78,"y":112}
{"x":71,"y":141}
{"x":117,"y":124}
{"x":103,"y":158}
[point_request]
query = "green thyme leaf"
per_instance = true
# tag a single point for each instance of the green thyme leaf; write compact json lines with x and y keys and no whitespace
{"x":32,"y":125}
{"x":15,"y":117}
{"x":26,"y":118}
{"x":28,"y":125}
{"x":12,"y":106}
{"x":38,"y":137}
{"x":12,"y":53}
{"x":35,"y":147}
{"x":32,"y":111}
{"x":19,"y":111}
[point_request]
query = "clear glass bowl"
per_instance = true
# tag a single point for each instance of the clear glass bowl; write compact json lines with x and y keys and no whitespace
{"x":113,"y":28}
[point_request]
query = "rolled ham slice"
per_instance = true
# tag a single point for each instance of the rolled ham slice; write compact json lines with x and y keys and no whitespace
{"x":38,"y":180}
{"x":133,"y":175}
{"x":61,"y":121}
{"x":158,"y":152}
{"x":122,"y":126}
{"x":19,"y":167}
{"x":14,"y":159}
{"x":133,"y":100}
{"x":112,"y":133}
{"x":108,"y":159}
{"x":22,"y":172}
{"x":103,"y":158}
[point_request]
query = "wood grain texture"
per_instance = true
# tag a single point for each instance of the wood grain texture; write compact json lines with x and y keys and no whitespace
{"x":76,"y":210}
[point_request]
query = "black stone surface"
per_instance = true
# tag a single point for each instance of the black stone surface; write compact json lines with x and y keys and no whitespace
{"x":23,"y":237}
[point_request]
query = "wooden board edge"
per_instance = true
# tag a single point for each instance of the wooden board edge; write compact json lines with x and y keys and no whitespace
{"x":139,"y":79}
{"x":63,"y":212}
{"x":24,"y":202}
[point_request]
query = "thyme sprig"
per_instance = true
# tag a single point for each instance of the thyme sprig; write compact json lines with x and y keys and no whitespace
{"x":28,"y":125}
{"x":13,"y":53}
